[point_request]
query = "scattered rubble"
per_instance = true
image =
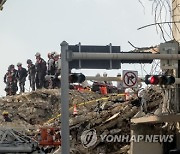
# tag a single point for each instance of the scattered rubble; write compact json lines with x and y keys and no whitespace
{"x":107,"y":114}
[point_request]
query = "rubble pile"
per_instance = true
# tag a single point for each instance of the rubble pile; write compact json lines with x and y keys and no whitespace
{"x":111,"y":117}
{"x":38,"y":106}
{"x":106,"y":114}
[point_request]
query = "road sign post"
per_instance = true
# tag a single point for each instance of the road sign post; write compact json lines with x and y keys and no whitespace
{"x":65,"y":143}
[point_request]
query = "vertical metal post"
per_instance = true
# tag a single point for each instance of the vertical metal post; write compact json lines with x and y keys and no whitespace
{"x":79,"y":52}
{"x":178,"y":85}
{"x":65,"y":143}
{"x":110,"y":49}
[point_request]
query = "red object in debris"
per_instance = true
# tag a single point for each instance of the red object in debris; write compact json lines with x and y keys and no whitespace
{"x":103,"y":90}
{"x":81,"y":89}
{"x":49,"y":136}
{"x":78,"y":87}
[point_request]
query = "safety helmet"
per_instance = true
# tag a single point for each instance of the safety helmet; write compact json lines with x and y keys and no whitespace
{"x":19,"y":64}
{"x":56,"y":55}
{"x":52,"y":53}
{"x":98,"y":75}
{"x":29,"y":61}
{"x":5,"y":113}
{"x":104,"y":74}
{"x":9,"y":69}
{"x":37,"y":54}
{"x":11,"y":66}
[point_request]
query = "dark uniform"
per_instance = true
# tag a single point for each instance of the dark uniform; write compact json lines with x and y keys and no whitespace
{"x":40,"y":73}
{"x":10,"y":79}
{"x":21,"y":76}
{"x":31,"y":73}
{"x":6,"y":117}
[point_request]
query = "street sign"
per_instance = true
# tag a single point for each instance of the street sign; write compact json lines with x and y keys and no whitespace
{"x":98,"y":63}
{"x":101,"y":63}
{"x":130,"y":79}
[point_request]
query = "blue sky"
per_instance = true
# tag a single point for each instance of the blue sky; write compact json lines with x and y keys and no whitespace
{"x":30,"y":26}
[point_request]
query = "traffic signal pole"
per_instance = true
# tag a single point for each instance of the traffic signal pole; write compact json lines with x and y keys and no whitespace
{"x":123,"y":56}
{"x":65,"y":143}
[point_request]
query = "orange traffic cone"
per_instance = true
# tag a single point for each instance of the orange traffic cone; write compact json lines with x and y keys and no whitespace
{"x":75,"y":110}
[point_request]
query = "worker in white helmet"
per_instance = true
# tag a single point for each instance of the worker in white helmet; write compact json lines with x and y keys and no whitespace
{"x":120,"y":84}
{"x":107,"y":82}
{"x":57,"y":59}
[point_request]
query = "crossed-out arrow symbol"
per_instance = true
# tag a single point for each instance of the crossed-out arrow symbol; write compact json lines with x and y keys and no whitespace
{"x":130,"y":78}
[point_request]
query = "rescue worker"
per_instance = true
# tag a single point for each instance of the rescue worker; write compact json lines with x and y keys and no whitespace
{"x":107,"y":82}
{"x":51,"y":64}
{"x":14,"y":75}
{"x":50,"y":71}
{"x":21,"y":76}
{"x":41,"y":68}
{"x":8,"y":82}
{"x":105,"y":75}
{"x":120,"y":84}
{"x":13,"y":72}
{"x":97,"y":84}
{"x":109,"y":85}
{"x":6,"y":116}
{"x":31,"y":73}
{"x":10,"y":79}
{"x":57,"y":60}
{"x":98,"y":75}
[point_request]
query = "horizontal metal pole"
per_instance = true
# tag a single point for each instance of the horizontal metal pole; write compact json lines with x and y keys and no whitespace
{"x":124,"y":56}
{"x":107,"y":78}
{"x":103,"y":78}
{"x":177,"y":80}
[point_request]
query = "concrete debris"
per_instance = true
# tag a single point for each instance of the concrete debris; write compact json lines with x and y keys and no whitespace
{"x":107,"y":115}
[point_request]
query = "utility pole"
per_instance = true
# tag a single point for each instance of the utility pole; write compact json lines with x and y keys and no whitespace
{"x":176,"y":35}
{"x":176,"y":19}
{"x":1,"y":4}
